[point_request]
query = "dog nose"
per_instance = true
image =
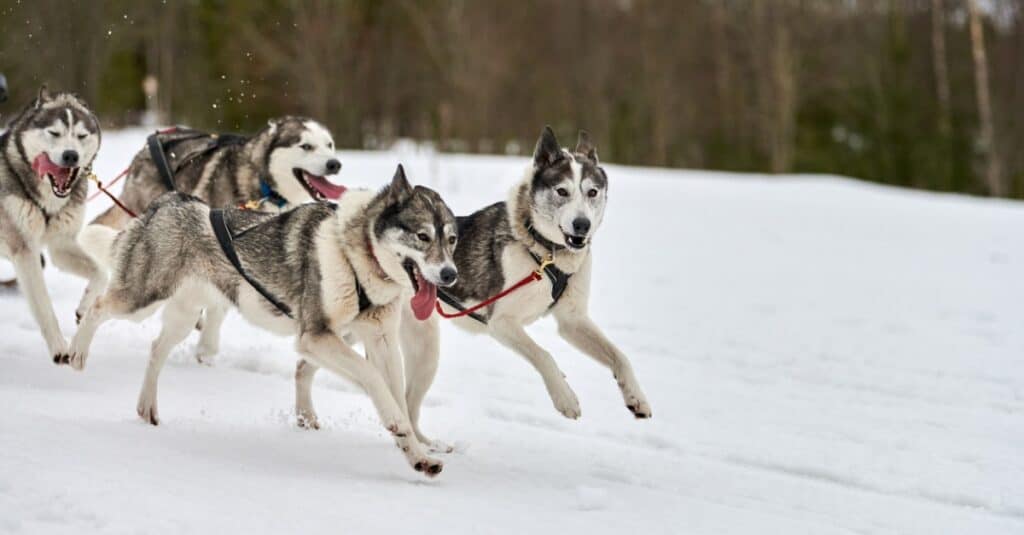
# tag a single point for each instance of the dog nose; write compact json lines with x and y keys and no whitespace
{"x":333,"y":166}
{"x":448,"y":275}
{"x":69,"y":158}
{"x":581,"y":226}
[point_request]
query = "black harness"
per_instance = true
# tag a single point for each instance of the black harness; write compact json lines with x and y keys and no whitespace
{"x":158,"y":152}
{"x":226,"y":239}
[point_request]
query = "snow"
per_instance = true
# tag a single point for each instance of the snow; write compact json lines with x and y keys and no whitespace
{"x":821,"y":355}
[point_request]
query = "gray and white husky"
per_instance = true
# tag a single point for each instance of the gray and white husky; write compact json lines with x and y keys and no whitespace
{"x":555,"y":210}
{"x":283,"y":165}
{"x":45,"y":155}
{"x":341,"y":270}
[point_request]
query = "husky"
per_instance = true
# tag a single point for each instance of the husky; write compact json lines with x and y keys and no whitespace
{"x":45,"y":155}
{"x":283,"y":165}
{"x":553,"y":212}
{"x":318,"y":272}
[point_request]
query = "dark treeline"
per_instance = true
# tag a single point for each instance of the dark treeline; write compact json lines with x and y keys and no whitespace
{"x":926,"y":93}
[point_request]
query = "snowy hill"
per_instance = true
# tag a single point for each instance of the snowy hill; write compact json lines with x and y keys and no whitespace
{"x":822,"y":356}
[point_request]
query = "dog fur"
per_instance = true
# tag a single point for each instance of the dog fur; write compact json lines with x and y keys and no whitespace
{"x":562,"y":198}
{"x":313,"y":258}
{"x":230,"y":174}
{"x":38,"y":210}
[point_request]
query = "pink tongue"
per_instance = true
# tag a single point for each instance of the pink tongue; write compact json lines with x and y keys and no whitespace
{"x":43,"y":165}
{"x":423,"y":302}
{"x":325,"y":187}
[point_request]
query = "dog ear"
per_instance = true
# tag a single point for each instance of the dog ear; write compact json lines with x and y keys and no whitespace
{"x":547,"y":151}
{"x":585,"y":147}
{"x":272,"y":125}
{"x":399,"y":189}
{"x":43,"y":96}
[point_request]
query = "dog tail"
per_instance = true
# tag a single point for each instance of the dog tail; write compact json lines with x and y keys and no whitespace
{"x":98,"y":242}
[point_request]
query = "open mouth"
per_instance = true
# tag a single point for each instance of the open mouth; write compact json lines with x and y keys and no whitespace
{"x":317,"y":186}
{"x":423,"y":300}
{"x":575,"y":242}
{"x":61,"y":178}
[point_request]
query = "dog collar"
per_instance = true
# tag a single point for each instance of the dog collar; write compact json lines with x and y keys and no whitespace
{"x":268,"y":194}
{"x":541,"y":240}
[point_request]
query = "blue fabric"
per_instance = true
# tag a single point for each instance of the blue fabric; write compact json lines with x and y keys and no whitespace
{"x":266,"y":192}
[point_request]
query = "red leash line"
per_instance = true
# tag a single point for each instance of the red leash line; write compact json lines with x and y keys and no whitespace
{"x":535,"y":276}
{"x":111,"y":195}
{"x":112,"y":182}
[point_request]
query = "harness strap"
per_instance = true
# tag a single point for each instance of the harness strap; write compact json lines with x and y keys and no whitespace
{"x":454,"y":303}
{"x":159,"y":157}
{"x":559,"y":279}
{"x":220,"y":229}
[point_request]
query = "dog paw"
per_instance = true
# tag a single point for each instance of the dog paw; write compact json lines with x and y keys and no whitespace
{"x":76,"y":359}
{"x":639,"y":407}
{"x":147,"y":411}
{"x":565,"y":401}
{"x":429,"y":467}
{"x":205,"y":355}
{"x":308,"y":420}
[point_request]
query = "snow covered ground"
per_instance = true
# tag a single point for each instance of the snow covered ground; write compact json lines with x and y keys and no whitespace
{"x":822,"y":356}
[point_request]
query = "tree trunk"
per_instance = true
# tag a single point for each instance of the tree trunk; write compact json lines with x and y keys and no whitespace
{"x":943,"y":121}
{"x":993,"y":178}
{"x":939,"y":63}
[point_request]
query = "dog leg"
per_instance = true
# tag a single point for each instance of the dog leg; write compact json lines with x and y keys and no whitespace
{"x":512,"y":335}
{"x":30,"y":276}
{"x":106,"y":306}
{"x":209,"y":335}
{"x":328,"y":351}
{"x":68,"y":256}
{"x":178,"y":319}
{"x":304,"y":411}
{"x":421,"y":348}
{"x":582,"y":333}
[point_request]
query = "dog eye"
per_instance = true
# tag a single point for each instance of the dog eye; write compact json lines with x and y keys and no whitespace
{"x":52,"y":133}
{"x":306,"y":147}
{"x":592,"y":193}
{"x":83,"y":136}
{"x":562,"y":192}
{"x":451,"y":240}
{"x":423,"y":237}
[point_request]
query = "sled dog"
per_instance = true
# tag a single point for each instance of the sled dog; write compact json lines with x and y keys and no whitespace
{"x":553,"y":213}
{"x":45,"y":155}
{"x":319,"y":272}
{"x":283,"y":165}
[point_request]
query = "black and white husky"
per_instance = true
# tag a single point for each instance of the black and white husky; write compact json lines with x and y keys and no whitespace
{"x":45,"y":155}
{"x":553,"y":212}
{"x":283,"y":165}
{"x":333,"y":272}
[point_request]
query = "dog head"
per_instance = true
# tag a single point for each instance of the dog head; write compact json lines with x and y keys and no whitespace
{"x":300,"y":156}
{"x":59,"y":136}
{"x":3,"y":88}
{"x":415,"y":236}
{"x":568,"y":191}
